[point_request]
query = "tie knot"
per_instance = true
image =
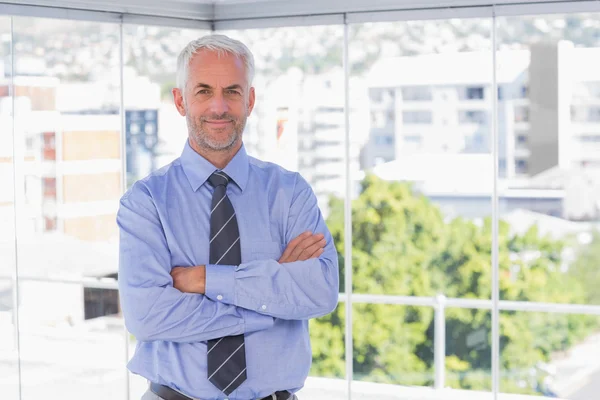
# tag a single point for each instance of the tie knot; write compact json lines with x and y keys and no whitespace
{"x":218,"y":178}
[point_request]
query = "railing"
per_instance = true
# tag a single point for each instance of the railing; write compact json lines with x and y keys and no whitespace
{"x":439,"y":303}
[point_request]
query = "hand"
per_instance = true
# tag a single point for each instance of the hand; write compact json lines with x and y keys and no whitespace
{"x":189,"y":279}
{"x":305,"y":246}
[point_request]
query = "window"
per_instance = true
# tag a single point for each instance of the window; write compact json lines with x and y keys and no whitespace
{"x":521,"y":114}
{"x":64,"y":70}
{"x":384,"y":140}
{"x":474,"y":93}
{"x":416,"y":139}
{"x":590,"y":138}
{"x":49,"y":188}
{"x":417,"y":117}
{"x":49,"y":146}
{"x":472,"y":117}
{"x":416,"y":93}
{"x":420,"y":181}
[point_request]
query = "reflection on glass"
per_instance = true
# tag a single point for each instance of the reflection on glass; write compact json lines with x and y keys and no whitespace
{"x":421,"y":212}
{"x":67,"y":132}
{"x":553,"y":355}
{"x":468,"y":358}
{"x":549,"y":143}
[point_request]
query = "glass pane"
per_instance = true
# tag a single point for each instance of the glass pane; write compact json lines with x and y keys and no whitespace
{"x":155,"y":132}
{"x":469,"y":351}
{"x":392,"y":345}
{"x":550,"y":137}
{"x":298,"y":119}
{"x":547,"y":354}
{"x":421,"y":219}
{"x":9,"y":368}
{"x":68,"y":128}
{"x":298,"y":123}
{"x":326,"y":378}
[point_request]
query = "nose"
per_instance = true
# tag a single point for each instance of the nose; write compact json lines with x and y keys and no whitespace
{"x":218,"y":104}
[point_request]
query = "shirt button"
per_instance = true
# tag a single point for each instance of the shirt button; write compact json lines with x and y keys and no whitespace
{"x":219,"y":297}
{"x":264,"y":307}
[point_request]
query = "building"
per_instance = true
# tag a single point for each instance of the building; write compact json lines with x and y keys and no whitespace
{"x":304,"y":129}
{"x":67,"y":191}
{"x":418,"y":107}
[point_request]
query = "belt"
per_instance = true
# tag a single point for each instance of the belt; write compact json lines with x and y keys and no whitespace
{"x":167,"y":393}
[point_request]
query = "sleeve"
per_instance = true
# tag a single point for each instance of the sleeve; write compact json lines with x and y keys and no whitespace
{"x":297,"y":290}
{"x":152,"y":308}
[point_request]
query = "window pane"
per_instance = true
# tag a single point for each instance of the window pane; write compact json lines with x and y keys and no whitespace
{"x":9,"y":369}
{"x":298,"y":123}
{"x":155,"y":132}
{"x":298,"y":119}
{"x":469,"y":350}
{"x":421,"y":217}
{"x":551,"y":141}
{"x":392,"y":345}
{"x":327,"y":336}
{"x":68,"y":128}
{"x":554,"y":355}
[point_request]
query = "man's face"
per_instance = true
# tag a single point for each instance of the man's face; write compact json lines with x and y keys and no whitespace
{"x":216,"y":101}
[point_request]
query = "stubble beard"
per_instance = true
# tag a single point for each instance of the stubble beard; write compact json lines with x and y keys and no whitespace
{"x":206,"y":141}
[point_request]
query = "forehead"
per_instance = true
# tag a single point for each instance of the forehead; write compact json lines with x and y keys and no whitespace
{"x":207,"y":65}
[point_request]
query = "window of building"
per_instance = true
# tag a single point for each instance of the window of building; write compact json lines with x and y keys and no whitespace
{"x":474,"y":93}
{"x":521,"y":114}
{"x":417,"y":93}
{"x":472,"y":117}
{"x":417,"y":117}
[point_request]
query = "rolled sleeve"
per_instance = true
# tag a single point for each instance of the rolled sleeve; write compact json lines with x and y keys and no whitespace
{"x":220,"y":283}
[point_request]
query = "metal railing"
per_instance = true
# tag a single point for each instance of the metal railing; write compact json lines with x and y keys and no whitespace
{"x":439,"y":303}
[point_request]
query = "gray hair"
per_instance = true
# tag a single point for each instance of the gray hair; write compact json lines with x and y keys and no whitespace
{"x":219,"y":43}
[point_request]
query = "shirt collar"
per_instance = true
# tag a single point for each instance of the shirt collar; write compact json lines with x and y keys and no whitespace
{"x":198,"y":169}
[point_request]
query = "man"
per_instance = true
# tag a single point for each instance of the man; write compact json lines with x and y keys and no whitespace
{"x":223,"y":258}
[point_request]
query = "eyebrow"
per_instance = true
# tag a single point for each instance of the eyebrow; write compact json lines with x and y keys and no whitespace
{"x":205,"y":86}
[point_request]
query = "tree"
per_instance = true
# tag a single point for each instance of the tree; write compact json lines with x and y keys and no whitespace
{"x":402,"y":245}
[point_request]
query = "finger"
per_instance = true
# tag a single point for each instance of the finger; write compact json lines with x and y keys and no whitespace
{"x":175,"y":270}
{"x":317,"y":253}
{"x":293,"y":243}
{"x":308,"y":252}
{"x":306,"y":243}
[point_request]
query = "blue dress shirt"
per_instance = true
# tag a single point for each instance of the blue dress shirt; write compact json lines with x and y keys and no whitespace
{"x":164,"y":222}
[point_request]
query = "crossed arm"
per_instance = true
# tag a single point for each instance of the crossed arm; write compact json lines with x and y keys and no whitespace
{"x":305,"y":246}
{"x":176,"y":304}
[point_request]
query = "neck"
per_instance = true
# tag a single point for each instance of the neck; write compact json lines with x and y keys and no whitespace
{"x":218,"y":158}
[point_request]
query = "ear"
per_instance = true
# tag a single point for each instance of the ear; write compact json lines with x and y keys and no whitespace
{"x":251,"y":100}
{"x":179,"y":101}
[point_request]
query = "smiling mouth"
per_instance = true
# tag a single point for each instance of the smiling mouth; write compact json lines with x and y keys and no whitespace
{"x":219,"y":122}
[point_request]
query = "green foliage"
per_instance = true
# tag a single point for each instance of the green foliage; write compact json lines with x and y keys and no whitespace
{"x":402,"y":245}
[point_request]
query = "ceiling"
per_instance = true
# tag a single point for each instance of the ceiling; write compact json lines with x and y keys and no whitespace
{"x":212,"y":11}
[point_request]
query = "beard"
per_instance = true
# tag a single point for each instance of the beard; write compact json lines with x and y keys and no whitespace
{"x":221,"y":139}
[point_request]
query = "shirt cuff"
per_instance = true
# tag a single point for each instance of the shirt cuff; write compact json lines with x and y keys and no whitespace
{"x":220,"y":283}
{"x":256,"y":322}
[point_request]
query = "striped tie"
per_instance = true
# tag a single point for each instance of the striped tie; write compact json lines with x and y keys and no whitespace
{"x":227,"y":355}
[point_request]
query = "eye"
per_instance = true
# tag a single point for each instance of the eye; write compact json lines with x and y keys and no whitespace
{"x":203,"y":91}
{"x":232,"y":91}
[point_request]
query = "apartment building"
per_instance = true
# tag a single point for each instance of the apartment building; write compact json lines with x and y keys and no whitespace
{"x":548,"y":107}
